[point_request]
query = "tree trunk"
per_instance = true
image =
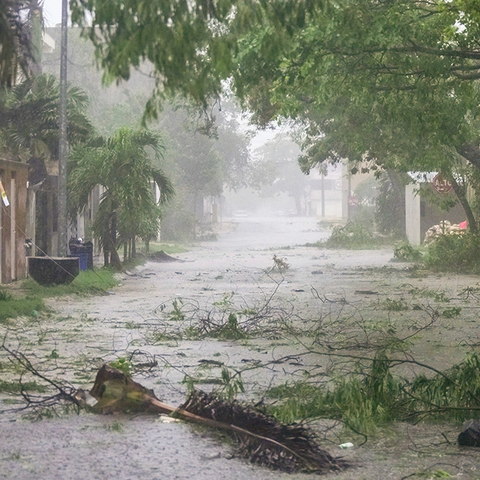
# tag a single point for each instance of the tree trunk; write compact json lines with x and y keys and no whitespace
{"x":460,"y":191}
{"x":111,"y":243}
{"x":471,"y":153}
{"x":115,"y":259}
{"x":106,"y":243}
{"x":113,"y":236}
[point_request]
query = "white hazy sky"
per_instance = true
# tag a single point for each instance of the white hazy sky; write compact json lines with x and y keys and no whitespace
{"x":52,"y":11}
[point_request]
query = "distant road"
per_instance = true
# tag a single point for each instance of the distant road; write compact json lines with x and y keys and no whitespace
{"x":264,"y":232}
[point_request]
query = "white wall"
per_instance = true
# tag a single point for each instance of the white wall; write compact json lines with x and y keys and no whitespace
{"x":412,"y":215}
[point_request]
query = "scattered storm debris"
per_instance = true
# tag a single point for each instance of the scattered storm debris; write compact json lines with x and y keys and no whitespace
{"x":260,"y":438}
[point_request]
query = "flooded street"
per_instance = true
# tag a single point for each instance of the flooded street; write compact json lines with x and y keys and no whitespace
{"x":155,"y":320}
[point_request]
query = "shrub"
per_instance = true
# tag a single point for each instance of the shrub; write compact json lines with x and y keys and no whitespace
{"x":178,"y":225}
{"x":455,"y":253}
{"x":406,"y":253}
{"x":4,"y":296}
{"x":353,"y":235}
{"x":373,"y":395}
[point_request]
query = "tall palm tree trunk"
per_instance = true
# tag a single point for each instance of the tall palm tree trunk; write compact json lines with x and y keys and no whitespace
{"x":114,"y":257}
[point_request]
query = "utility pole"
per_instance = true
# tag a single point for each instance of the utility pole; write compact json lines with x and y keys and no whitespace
{"x":62,"y":150}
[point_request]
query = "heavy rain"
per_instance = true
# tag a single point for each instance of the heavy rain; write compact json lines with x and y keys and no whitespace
{"x":239,"y":240}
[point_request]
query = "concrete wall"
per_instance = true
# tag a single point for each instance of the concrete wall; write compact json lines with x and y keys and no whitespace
{"x":431,"y":215}
{"x":412,"y":215}
{"x":420,"y":215}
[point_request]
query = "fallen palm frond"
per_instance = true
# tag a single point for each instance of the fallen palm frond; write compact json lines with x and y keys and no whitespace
{"x":261,"y":438}
{"x":162,"y":256}
{"x":285,"y":447}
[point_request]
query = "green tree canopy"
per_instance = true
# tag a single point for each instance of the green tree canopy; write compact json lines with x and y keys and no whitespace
{"x":391,"y":81}
{"x":193,"y":46}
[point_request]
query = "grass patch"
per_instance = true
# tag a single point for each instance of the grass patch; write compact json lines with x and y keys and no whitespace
{"x":88,"y":282}
{"x":21,"y":307}
{"x":4,"y":296}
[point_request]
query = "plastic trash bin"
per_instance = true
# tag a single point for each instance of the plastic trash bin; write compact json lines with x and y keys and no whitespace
{"x":82,"y":259}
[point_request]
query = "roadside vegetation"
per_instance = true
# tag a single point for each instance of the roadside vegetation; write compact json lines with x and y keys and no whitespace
{"x":28,"y":299}
{"x":11,"y":307}
{"x":447,"y":253}
{"x":88,"y":282}
{"x":452,"y":253}
{"x":353,"y":236}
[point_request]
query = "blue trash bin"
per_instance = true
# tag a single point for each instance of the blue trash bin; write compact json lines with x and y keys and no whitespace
{"x":82,"y":259}
{"x":81,"y":249}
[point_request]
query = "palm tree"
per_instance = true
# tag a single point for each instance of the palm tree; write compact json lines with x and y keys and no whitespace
{"x":29,"y":117}
{"x":122,"y":166}
{"x":29,"y":132}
